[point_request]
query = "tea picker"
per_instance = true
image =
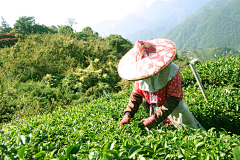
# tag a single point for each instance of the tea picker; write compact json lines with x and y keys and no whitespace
{"x":157,"y":84}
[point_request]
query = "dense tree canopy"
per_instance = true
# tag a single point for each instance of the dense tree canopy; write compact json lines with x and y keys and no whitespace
{"x":25,"y":24}
{"x":36,"y":28}
{"x":65,"y":29}
{"x":119,"y":44}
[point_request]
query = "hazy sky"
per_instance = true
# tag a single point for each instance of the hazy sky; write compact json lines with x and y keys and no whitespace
{"x":56,"y":12}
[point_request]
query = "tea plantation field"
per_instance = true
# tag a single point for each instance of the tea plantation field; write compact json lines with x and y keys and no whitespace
{"x":91,"y":130}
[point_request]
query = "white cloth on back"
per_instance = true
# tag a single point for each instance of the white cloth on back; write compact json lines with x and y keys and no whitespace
{"x":160,"y":80}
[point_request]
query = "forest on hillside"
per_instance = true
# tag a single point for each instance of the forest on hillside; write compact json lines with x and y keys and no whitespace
{"x":43,"y":68}
{"x":214,"y":25}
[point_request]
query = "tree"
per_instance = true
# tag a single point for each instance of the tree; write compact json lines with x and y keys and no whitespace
{"x":54,"y":28}
{"x":5,"y":27}
{"x":71,"y":22}
{"x":65,"y":29}
{"x":36,"y":28}
{"x":118,"y":43}
{"x":87,"y":30}
{"x":86,"y":33}
{"x":25,"y":24}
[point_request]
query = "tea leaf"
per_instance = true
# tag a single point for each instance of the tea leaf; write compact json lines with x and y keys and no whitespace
{"x":3,"y":147}
{"x":200,"y":146}
{"x":236,"y":152}
{"x":40,"y":154}
{"x":21,"y":152}
{"x":134,"y":150}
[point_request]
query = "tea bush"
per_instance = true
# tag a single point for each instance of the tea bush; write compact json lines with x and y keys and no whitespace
{"x":222,"y":71}
{"x":91,"y":131}
{"x":220,"y":78}
{"x":28,"y":99}
{"x":222,"y":109}
{"x":47,"y":80}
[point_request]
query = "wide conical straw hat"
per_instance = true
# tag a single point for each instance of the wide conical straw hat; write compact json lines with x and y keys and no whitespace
{"x":146,"y":58}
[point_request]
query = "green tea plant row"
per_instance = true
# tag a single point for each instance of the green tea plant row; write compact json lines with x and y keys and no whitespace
{"x":91,"y":131}
{"x":220,"y":78}
{"x":222,"y":109}
{"x":222,"y":71}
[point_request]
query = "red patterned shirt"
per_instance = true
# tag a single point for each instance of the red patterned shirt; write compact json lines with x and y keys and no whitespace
{"x":173,"y":88}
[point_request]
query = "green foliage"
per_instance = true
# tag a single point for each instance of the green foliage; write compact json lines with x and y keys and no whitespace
{"x":40,"y":29}
{"x":25,"y":24}
{"x":96,"y":78}
{"x":39,"y":55}
{"x":119,"y":44}
{"x":203,"y":31}
{"x":222,"y":71}
{"x":86,"y":34}
{"x":54,"y":28}
{"x":17,"y":33}
{"x":221,"y":111}
{"x":27,"y":99}
{"x":220,"y":78}
{"x":87,"y":30}
{"x":76,"y":71}
{"x":236,"y":152}
{"x":91,"y":131}
{"x":65,"y":30}
{"x":181,"y":61}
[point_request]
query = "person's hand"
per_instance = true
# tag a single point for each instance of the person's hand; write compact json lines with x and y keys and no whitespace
{"x":149,"y":122}
{"x":126,"y":119}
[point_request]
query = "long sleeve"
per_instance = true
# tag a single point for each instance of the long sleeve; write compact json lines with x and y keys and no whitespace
{"x":133,"y":104}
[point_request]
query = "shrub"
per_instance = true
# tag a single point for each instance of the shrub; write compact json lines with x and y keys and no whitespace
{"x":222,"y":71}
{"x":28,"y":99}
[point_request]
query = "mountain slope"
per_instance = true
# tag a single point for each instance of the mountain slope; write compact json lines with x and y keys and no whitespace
{"x":151,"y":22}
{"x":165,"y":15}
{"x":216,"y":24}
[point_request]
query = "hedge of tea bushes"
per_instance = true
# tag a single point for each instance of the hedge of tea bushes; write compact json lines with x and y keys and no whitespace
{"x":92,"y":131}
{"x":220,"y":79}
{"x":222,"y":110}
{"x":222,"y":71}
